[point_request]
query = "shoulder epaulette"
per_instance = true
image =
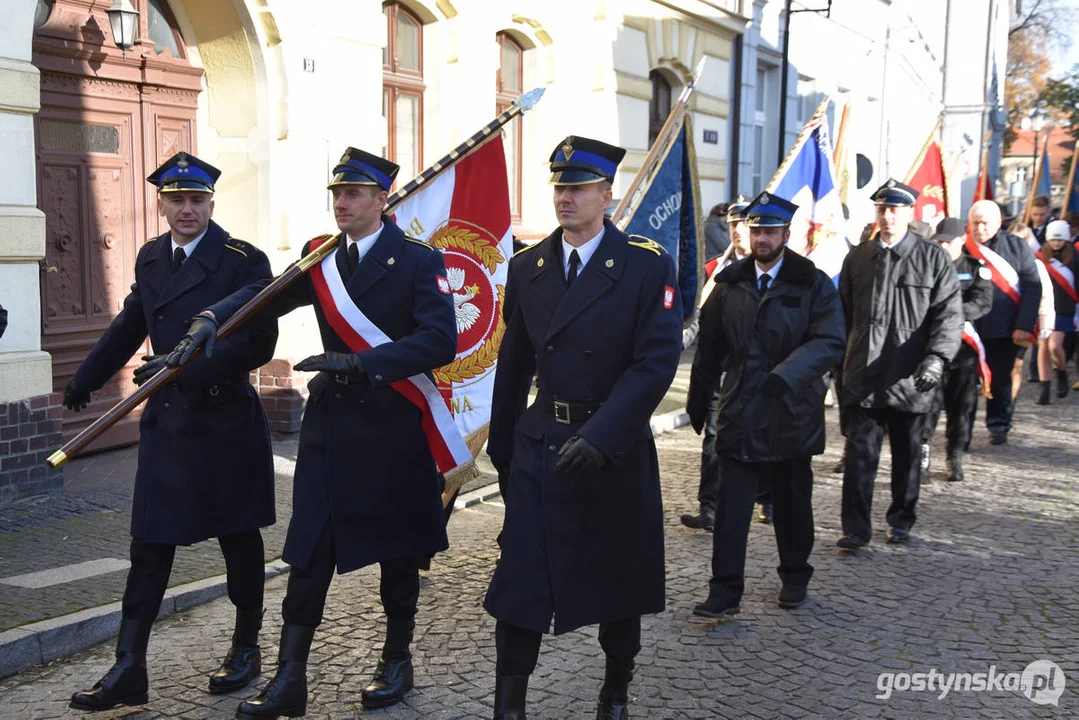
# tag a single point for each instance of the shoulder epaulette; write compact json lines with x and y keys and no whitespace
{"x":150,"y":240}
{"x":647,"y":244}
{"x":526,"y":248}
{"x":236,"y":245}
{"x":421,"y":243}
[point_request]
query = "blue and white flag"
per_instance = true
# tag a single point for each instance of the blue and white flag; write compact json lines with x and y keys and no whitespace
{"x":668,"y":214}
{"x":807,"y":178}
{"x":1044,"y":186}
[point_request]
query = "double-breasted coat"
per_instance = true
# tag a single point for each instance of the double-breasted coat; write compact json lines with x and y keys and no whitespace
{"x":363,"y":463}
{"x":583,"y":549}
{"x":205,"y":466}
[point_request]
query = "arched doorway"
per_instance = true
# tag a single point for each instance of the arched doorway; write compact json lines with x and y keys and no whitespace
{"x":107,"y":119}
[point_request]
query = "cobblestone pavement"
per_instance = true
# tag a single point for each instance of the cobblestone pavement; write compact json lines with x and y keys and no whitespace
{"x":988,"y":582}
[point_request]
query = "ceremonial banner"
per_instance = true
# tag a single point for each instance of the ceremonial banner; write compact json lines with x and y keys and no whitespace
{"x":807,"y":179}
{"x":668,"y":214}
{"x":971,"y":338}
{"x":465,"y":213}
{"x":928,"y":177}
{"x":983,"y":190}
{"x":1071,"y":193}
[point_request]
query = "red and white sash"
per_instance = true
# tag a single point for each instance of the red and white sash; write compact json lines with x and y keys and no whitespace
{"x":971,"y":338}
{"x":1061,"y":274}
{"x":347,"y":320}
{"x":1004,"y":275}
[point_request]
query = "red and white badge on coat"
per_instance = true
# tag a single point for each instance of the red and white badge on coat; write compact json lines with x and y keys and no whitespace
{"x":443,"y":284}
{"x":668,"y":297}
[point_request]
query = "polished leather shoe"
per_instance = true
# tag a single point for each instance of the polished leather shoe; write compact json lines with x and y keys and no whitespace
{"x":897,"y":536}
{"x":765,"y":513}
{"x":998,"y":438}
{"x":126,"y":682}
{"x":717,"y":605}
{"x":393,"y":679}
{"x":243,"y":663}
{"x":613,"y":702}
{"x":792,"y":596}
{"x":704,"y":521}
{"x":510,"y":694}
{"x":286,"y":694}
{"x":851,"y":542}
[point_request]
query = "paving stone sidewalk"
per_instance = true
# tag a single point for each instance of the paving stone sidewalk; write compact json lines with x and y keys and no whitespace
{"x":989,"y":584}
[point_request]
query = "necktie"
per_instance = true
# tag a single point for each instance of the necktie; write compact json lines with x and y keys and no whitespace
{"x":763,"y":283}
{"x":574,"y":265}
{"x":353,"y":257}
{"x":178,"y":257}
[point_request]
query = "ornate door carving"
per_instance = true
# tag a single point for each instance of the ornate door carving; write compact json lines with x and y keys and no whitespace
{"x":106,"y":122}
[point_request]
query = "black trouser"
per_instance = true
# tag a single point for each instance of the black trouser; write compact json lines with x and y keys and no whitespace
{"x":866,"y":430}
{"x":791,"y":482}
{"x":518,"y":649}
{"x":957,"y":395}
{"x":151,"y":565}
{"x":1000,"y":354}
{"x":399,"y":589}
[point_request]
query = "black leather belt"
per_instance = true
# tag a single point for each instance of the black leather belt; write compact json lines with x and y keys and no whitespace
{"x":565,"y":413}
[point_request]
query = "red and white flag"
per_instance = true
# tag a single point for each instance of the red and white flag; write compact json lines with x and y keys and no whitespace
{"x":971,"y":338}
{"x":927,"y":176}
{"x":465,"y":213}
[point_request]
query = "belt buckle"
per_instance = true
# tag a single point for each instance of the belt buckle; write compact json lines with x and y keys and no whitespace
{"x":561,"y":412}
{"x":340,"y":378}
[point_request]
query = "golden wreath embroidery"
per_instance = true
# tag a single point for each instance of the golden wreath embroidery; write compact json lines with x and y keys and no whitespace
{"x":478,"y":362}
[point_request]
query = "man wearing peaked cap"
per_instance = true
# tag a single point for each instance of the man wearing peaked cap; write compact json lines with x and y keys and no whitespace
{"x":904,"y":316}
{"x":367,"y":489}
{"x":770,"y":330}
{"x":594,"y":315}
{"x":205,"y":466}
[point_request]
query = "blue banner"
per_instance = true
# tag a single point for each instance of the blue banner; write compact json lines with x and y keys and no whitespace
{"x":668,"y":214}
{"x":1044,"y":188}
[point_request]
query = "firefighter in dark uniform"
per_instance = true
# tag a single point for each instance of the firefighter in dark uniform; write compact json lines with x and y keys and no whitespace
{"x":205,"y":467}
{"x":595,"y":315}
{"x":770,"y":330}
{"x":366,"y":488}
{"x":959,"y":388}
{"x":904,"y":316}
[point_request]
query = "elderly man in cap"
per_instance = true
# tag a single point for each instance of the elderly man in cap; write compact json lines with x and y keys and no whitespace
{"x":705,"y":519}
{"x":366,"y":487}
{"x":904,"y":315}
{"x":771,"y":329}
{"x":595,"y":315}
{"x":959,"y":388}
{"x":205,"y":467}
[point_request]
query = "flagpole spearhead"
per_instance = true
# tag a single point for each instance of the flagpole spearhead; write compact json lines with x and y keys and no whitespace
{"x":698,"y":71}
{"x":528,"y":101}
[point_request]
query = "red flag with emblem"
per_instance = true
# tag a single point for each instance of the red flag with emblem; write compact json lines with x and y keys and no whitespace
{"x":928,"y":177}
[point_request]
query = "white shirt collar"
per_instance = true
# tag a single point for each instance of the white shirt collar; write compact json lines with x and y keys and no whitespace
{"x":584,"y":252}
{"x":189,"y":249}
{"x":889,"y":246}
{"x":365,"y":243}
{"x":772,"y":271}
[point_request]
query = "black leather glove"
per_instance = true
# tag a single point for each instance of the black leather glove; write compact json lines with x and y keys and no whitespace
{"x":928,"y":374}
{"x":75,"y":397}
{"x":335,"y":362}
{"x":151,"y":364}
{"x":579,"y":457}
{"x":201,"y":334}
{"x":773,"y":386}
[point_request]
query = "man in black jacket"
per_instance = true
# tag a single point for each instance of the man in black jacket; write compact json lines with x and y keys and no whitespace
{"x":1009,"y":325}
{"x":774,"y":326}
{"x":958,"y":390}
{"x":904,"y":321}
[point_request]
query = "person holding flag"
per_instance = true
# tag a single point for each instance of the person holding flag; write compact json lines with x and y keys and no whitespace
{"x":595,"y":315}
{"x":1009,"y":325}
{"x":366,"y":485}
{"x":958,"y":390}
{"x":1062,"y":263}
{"x":904,"y":322}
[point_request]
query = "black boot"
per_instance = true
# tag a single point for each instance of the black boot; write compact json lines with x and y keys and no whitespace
{"x":614,"y":695}
{"x":510,"y":693}
{"x":706,"y":520}
{"x":244,"y":660}
{"x":1043,"y":399}
{"x":1062,"y":383}
{"x":955,"y":465}
{"x":126,"y":682}
{"x":286,"y":694}
{"x":394,"y":675}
